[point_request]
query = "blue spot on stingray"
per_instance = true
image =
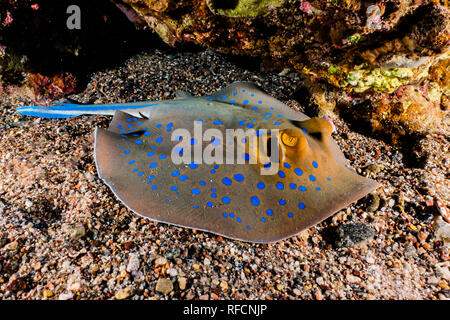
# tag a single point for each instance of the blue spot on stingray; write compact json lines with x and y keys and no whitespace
{"x":266,"y":118}
{"x":224,"y":97}
{"x":241,"y":123}
{"x":280,"y":186}
{"x":301,"y":205}
{"x":159,"y":125}
{"x":135,"y":170}
{"x":166,"y":201}
{"x":162,"y":157}
{"x":193,"y":165}
{"x":292,"y":186}
{"x":239,"y":177}
{"x":304,"y":131}
{"x":246,"y":156}
{"x":132,"y":162}
{"x":126,"y":151}
{"x":243,"y":90}
{"x":195,"y":191}
{"x":232,"y":101}
{"x":174,"y":188}
{"x":153,"y":165}
{"x":259,"y":101}
{"x":119,"y":126}
{"x":151,"y":154}
{"x":199,"y":121}
{"x":154,"y":187}
{"x":130,"y":125}
{"x":226,"y":200}
{"x":238,"y":219}
{"x":209,"y":204}
{"x":269,"y":212}
{"x":244,"y":140}
{"x":276,"y":123}
{"x":317,"y":188}
{"x":183,"y":178}
{"x":267,"y":114}
{"x":148,"y":133}
{"x":216,"y":166}
{"x":217,"y":122}
{"x":227,"y":181}
{"x":213,"y":195}
{"x":195,"y":207}
{"x":202,"y":183}
{"x":159,"y":140}
{"x":286,"y":165}
{"x":263,"y":219}
{"x":140,"y":123}
{"x":154,"y":147}
{"x":234,"y":93}
{"x":298,"y":171}
{"x":141,"y":173}
{"x":290,"y":215}
{"x":134,"y":119}
{"x":175,"y":173}
{"x":267,"y":165}
{"x":225,"y":215}
{"x":248,"y":227}
{"x":281,"y":174}
{"x":312,"y":178}
{"x":261,"y":185}
{"x":213,"y":171}
{"x":231,"y":215}
{"x":282,"y":202}
{"x":259,"y":132}
{"x":213,"y":189}
{"x":255,"y":108}
{"x":255,"y":201}
{"x":151,"y":177}
{"x":250,"y":125}
{"x":252,"y":95}
{"x":329,"y":179}
{"x":315,"y":164}
{"x":138,"y":142}
{"x":302,"y":188}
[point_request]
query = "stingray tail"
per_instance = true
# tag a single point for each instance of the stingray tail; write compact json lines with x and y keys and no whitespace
{"x":70,"y":110}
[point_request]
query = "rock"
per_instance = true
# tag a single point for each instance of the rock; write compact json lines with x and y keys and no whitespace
{"x":123,"y":293}
{"x":12,"y":245}
{"x":442,"y":230}
{"x":352,"y":279}
{"x":351,"y":234}
{"x":16,"y":283}
{"x":76,"y":231}
{"x":373,"y":202}
{"x":47,"y":293}
{"x":161,"y":261}
{"x":172,"y":272}
{"x":182,"y":282}
{"x":164,"y":286}
{"x":133,"y":263}
{"x":223,"y":285}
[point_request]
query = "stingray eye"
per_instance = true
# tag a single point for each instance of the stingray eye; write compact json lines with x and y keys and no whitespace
{"x":289,"y":140}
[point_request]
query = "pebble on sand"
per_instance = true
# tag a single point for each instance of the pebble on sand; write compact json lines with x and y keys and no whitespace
{"x":164,"y":286}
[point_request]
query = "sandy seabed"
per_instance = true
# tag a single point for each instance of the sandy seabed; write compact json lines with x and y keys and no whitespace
{"x":63,"y":234}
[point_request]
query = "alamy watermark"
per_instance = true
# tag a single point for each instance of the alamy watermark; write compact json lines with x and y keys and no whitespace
{"x":237,"y":147}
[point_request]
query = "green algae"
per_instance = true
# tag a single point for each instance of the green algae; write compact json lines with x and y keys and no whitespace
{"x":244,"y":8}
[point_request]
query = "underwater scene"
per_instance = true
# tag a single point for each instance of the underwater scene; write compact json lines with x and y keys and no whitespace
{"x":224,"y":150}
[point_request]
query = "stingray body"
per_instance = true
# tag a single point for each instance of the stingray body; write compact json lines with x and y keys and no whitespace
{"x":142,"y":158}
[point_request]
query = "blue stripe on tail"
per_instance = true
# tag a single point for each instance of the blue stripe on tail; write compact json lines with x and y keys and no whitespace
{"x":36,"y":111}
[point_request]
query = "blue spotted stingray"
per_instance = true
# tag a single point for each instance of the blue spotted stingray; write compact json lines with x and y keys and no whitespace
{"x":134,"y":157}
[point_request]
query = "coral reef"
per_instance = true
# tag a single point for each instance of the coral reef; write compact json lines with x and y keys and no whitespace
{"x":387,"y":54}
{"x":382,"y":61}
